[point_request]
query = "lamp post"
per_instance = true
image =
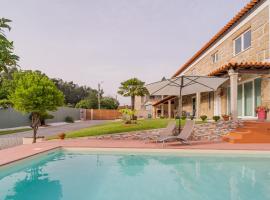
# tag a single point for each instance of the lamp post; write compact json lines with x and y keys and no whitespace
{"x":99,"y":93}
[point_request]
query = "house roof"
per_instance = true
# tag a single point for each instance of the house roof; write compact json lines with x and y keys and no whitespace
{"x":217,"y":36}
{"x":163,"y":100}
{"x":224,"y":70}
{"x":239,"y":66}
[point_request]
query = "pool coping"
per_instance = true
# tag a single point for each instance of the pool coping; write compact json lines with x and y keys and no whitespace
{"x":35,"y":150}
{"x":140,"y":150}
{"x":28,"y":156}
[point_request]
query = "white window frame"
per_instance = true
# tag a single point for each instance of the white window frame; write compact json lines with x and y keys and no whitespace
{"x":214,"y":57}
{"x":242,"y":43}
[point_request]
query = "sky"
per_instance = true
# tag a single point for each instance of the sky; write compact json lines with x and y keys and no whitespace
{"x":109,"y":41}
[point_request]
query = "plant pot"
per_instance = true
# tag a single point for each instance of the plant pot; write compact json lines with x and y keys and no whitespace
{"x":262,"y":115}
{"x":226,"y":118}
{"x":29,"y":140}
{"x":62,"y":136}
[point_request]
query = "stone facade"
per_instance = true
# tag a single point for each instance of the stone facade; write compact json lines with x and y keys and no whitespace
{"x":216,"y":103}
{"x":259,"y":51}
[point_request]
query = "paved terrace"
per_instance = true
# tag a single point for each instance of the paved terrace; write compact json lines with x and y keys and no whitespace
{"x":24,"y":151}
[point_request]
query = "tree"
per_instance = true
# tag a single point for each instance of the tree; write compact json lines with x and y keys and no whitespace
{"x":90,"y":102}
{"x":7,"y":57}
{"x":73,"y":92}
{"x":109,"y":103}
{"x":34,"y":93}
{"x":131,"y":88}
{"x":6,"y":83}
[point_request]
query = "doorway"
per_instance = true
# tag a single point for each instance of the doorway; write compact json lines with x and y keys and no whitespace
{"x":193,"y":106}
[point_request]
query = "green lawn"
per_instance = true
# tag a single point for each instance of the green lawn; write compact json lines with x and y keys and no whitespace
{"x":119,"y":127}
{"x":14,"y":131}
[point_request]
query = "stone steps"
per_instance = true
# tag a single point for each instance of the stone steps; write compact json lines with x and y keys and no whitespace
{"x":251,"y":132}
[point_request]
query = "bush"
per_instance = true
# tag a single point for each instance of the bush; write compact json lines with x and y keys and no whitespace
{"x":69,"y":119}
{"x":128,"y":115}
{"x":183,"y":117}
{"x":177,"y":117}
{"x":162,"y":117}
{"x":192,"y":117}
{"x":203,"y":118}
{"x":216,"y":118}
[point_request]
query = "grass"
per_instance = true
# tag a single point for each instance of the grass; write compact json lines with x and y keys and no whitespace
{"x":119,"y":127}
{"x":14,"y":131}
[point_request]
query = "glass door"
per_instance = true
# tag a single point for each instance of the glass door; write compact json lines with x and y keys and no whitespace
{"x":248,"y":99}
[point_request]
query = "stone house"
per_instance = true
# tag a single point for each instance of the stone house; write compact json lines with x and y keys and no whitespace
{"x":239,"y":51}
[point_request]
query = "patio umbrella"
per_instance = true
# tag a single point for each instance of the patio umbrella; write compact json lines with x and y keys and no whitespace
{"x":184,"y":85}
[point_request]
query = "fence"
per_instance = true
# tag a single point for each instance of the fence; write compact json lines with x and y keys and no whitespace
{"x":94,"y":114}
{"x":9,"y":118}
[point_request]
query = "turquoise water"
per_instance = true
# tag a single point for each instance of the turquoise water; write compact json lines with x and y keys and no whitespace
{"x":72,"y":175}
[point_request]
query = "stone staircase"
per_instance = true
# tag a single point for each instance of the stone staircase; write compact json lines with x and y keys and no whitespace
{"x":250,"y":132}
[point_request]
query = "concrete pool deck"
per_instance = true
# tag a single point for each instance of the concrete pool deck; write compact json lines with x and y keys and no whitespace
{"x":24,"y":151}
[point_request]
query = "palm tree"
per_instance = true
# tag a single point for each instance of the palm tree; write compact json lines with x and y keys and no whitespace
{"x":131,"y":88}
{"x":7,"y":57}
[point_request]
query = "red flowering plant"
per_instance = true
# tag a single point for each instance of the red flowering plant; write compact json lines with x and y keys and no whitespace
{"x":262,"y":109}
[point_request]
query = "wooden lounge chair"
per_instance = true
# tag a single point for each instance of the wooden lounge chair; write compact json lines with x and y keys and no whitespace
{"x":183,"y":136}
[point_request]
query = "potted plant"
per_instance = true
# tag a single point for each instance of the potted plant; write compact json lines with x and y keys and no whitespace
{"x":61,"y":136}
{"x":203,"y":118}
{"x":261,"y":112}
{"x":226,"y":117}
{"x":216,"y":118}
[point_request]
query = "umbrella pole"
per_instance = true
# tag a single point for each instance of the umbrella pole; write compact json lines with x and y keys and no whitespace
{"x":180,"y":104}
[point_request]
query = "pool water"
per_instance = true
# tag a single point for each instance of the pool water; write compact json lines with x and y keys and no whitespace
{"x":85,"y":175}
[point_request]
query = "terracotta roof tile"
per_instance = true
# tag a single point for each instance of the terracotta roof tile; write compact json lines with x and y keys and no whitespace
{"x":233,"y":21}
{"x":243,"y":65}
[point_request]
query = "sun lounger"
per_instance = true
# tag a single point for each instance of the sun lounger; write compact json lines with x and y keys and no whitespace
{"x":183,"y":136}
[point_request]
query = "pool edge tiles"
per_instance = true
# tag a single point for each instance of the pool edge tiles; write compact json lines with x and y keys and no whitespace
{"x":29,"y":155}
{"x":167,"y":151}
{"x":37,"y":151}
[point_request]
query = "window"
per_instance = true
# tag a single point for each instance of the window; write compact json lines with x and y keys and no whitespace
{"x":215,"y":57}
{"x":243,"y":42}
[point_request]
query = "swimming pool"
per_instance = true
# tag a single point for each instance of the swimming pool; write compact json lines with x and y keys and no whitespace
{"x":88,"y":175}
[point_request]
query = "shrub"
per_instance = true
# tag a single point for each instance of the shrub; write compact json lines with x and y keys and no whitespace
{"x":162,"y":117}
{"x":69,"y":119}
{"x":177,"y":117}
{"x":128,"y":115}
{"x":216,"y":118}
{"x":203,"y":118}
{"x":184,"y":117}
{"x":192,"y":117}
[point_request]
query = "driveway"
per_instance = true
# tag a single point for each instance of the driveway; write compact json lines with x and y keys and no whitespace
{"x":15,"y":139}
{"x":54,"y":130}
